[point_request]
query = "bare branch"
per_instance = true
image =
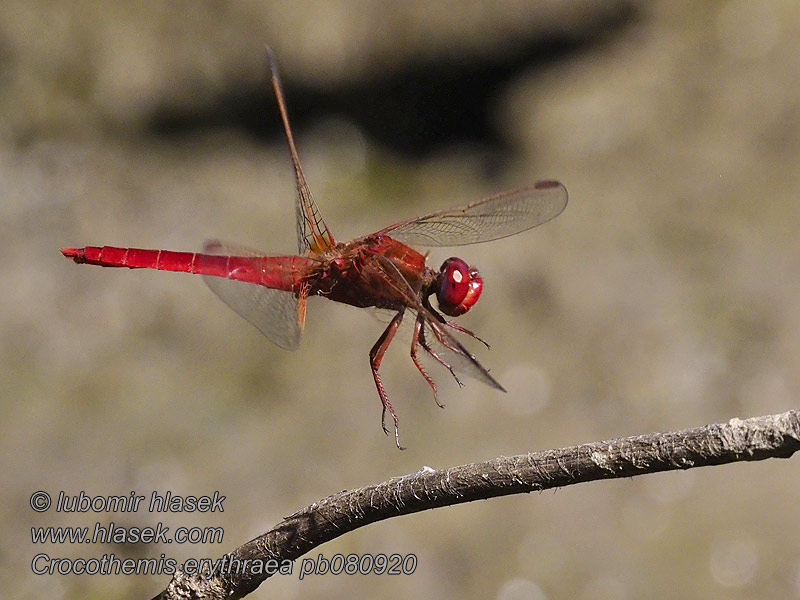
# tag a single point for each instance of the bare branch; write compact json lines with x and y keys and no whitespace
{"x":759,"y":438}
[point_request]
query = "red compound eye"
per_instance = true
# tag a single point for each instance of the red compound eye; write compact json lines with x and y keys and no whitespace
{"x":458,"y":287}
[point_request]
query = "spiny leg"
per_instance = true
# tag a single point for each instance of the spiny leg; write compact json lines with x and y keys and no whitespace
{"x":424,"y":343}
{"x":442,"y":339}
{"x":375,"y":358}
{"x":458,"y":327}
{"x":418,"y":328}
{"x":453,"y":324}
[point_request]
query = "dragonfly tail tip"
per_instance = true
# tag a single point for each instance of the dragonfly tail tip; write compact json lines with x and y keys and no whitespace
{"x":76,"y":254}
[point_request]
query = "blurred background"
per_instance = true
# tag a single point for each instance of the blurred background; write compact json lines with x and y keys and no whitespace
{"x":664,"y":297}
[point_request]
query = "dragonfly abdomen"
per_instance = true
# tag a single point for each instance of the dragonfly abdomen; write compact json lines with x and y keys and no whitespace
{"x":276,"y":272}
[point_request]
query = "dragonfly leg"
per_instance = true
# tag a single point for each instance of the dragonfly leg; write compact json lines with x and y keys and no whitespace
{"x":458,"y":327}
{"x":424,"y":343}
{"x":443,"y":340}
{"x":453,"y":324}
{"x":375,"y":358}
{"x":418,"y":328}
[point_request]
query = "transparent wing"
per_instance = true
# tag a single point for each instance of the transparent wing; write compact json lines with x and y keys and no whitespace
{"x":313,"y":234}
{"x":493,"y":218}
{"x":277,"y":314}
{"x":439,"y":339}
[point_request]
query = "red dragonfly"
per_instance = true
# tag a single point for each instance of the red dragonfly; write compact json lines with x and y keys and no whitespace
{"x":377,"y":270}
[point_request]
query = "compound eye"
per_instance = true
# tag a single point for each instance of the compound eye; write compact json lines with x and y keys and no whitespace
{"x":458,"y":287}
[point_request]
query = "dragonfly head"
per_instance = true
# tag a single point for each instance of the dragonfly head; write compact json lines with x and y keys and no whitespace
{"x":458,"y":287}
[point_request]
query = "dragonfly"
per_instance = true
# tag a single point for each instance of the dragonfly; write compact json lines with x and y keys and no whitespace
{"x":380,"y":270}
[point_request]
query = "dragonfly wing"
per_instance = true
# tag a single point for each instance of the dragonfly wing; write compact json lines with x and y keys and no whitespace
{"x":277,"y":314}
{"x":313,"y":234}
{"x":436,"y":334}
{"x":493,"y":218}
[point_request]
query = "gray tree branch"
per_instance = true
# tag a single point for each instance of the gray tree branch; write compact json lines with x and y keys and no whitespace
{"x":759,"y":438}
